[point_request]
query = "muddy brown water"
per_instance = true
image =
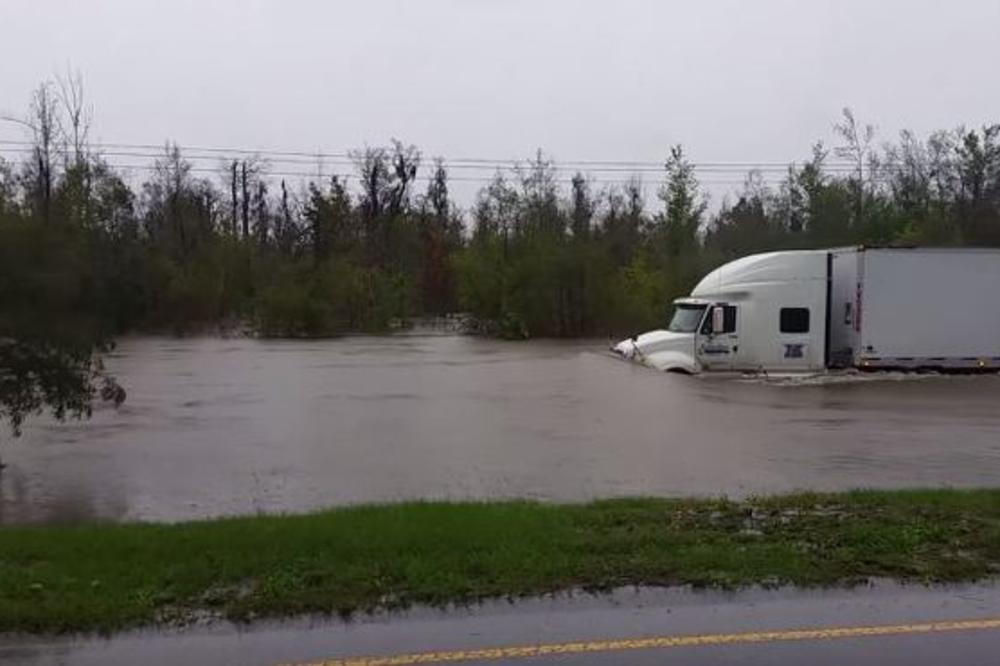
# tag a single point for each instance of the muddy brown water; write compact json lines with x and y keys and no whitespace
{"x":217,"y":427}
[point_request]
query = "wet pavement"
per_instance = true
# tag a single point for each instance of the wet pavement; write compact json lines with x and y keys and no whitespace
{"x":750,"y":627}
{"x":214,"y":426}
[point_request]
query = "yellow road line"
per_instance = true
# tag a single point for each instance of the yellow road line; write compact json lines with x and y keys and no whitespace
{"x":583,"y":647}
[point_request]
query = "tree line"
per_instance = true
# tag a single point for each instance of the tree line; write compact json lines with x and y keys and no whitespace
{"x":238,"y":248}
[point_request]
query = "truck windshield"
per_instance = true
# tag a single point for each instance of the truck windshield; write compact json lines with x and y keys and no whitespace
{"x":686,"y":318}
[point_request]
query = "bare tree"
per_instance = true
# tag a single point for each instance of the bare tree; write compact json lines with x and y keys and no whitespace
{"x":233,"y":178}
{"x":78,"y":116}
{"x":386,"y":178}
{"x":405,"y":162}
{"x":75,"y":192}
{"x":245,"y":186}
{"x":857,"y":149}
{"x":373,"y":172}
{"x":43,"y":123}
{"x":250,"y":178}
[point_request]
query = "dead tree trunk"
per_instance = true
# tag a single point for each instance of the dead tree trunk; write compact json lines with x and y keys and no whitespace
{"x":246,"y":203}
{"x":234,"y":217}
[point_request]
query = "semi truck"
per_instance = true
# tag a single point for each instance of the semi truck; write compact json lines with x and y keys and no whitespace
{"x":817,"y":310}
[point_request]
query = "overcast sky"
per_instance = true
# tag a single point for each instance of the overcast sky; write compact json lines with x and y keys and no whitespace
{"x":734,"y":80}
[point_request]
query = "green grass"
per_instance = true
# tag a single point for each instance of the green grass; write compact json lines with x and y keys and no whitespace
{"x":105,"y":577}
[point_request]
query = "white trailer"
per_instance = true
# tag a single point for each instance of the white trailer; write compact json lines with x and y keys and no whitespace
{"x":811,"y":310}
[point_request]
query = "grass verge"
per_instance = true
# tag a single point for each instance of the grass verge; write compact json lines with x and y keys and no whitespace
{"x":107,"y":576}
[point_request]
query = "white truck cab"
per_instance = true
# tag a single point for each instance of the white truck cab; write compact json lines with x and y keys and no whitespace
{"x":762,"y":312}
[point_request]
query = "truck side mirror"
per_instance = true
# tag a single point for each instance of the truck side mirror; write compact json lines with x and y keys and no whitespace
{"x":718,"y":319}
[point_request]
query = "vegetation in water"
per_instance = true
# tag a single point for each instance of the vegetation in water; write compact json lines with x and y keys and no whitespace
{"x":110,"y":576}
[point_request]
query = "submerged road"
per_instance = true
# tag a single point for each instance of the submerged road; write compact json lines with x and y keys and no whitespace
{"x":219,"y":427}
{"x":881,"y":624}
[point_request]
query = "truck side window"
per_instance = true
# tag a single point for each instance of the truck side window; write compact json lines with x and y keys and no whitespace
{"x":728,"y":319}
{"x":794,"y":320}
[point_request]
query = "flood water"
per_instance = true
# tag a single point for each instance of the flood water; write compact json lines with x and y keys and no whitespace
{"x":214,"y":426}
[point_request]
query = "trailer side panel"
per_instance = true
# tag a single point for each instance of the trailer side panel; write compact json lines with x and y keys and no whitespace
{"x":929,"y":308}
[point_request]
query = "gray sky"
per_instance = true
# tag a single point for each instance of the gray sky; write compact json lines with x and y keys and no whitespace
{"x":733,"y":80}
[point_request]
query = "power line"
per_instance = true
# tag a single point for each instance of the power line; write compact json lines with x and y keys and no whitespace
{"x":348,"y":175}
{"x":766,"y":173}
{"x":224,"y":164}
{"x":196,"y":164}
{"x":485,"y":162}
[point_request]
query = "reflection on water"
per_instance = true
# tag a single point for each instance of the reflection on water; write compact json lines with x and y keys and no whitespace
{"x":240,"y":426}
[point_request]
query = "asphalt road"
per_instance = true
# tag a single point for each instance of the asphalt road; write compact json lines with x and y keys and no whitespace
{"x":881,"y":624}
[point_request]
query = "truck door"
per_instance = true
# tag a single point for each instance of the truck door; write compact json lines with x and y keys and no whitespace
{"x":719,"y":338}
